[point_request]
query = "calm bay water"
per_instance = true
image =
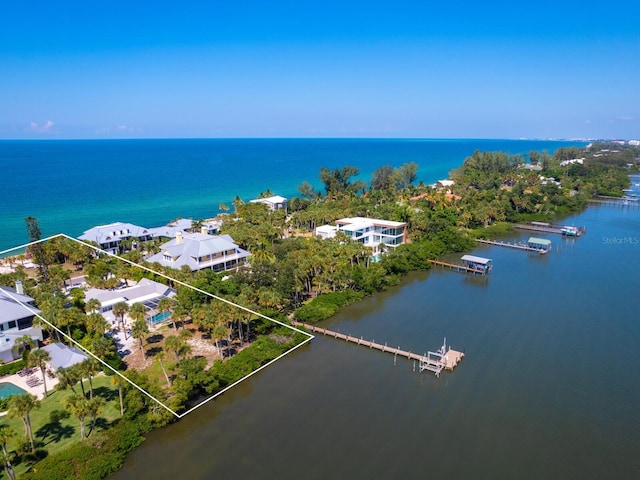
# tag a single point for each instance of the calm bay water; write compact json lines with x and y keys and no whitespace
{"x":73,"y":185}
{"x":549,"y":387}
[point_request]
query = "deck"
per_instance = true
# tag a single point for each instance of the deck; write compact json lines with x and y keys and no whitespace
{"x":459,"y":268}
{"x":550,"y":229}
{"x":517,"y":246}
{"x":447,"y":361}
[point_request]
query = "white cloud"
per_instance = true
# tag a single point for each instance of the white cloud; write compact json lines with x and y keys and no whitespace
{"x":47,"y":127}
{"x":118,"y":129}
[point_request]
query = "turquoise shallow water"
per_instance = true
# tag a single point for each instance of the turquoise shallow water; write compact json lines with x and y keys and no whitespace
{"x":548,"y":389}
{"x":73,"y":185}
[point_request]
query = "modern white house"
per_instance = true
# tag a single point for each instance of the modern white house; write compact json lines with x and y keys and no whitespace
{"x":371,"y":232}
{"x":275,"y":202}
{"x":146,"y":292}
{"x":200,"y":251}
{"x":110,"y":236}
{"x":17,"y":311}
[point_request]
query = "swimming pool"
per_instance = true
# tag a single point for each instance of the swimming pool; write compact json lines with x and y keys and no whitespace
{"x":7,"y":389}
{"x":160,"y":317}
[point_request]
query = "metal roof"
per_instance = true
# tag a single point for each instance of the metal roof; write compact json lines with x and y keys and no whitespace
{"x":539,"y":241}
{"x":474,"y":259}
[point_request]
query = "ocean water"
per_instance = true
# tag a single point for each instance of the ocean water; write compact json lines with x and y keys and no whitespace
{"x":73,"y":185}
{"x":548,"y":389}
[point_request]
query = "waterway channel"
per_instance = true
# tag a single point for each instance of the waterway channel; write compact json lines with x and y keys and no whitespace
{"x":549,"y":387}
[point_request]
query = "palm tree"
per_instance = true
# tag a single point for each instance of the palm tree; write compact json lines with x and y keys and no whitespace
{"x":93,"y":305}
{"x":140,"y":330}
{"x":120,"y":309}
{"x":96,"y":322}
{"x":94,"y":408}
{"x":173,"y":343}
{"x":25,"y":342}
{"x":79,"y":406}
{"x":39,"y":358}
{"x":21,"y":406}
{"x":160,"y":356}
{"x":90,"y":367}
{"x":165,"y":305}
{"x":66,"y":378}
{"x":137,"y":311}
{"x":119,"y":382}
{"x":6,"y":434}
{"x":179,"y":314}
{"x":77,"y":372}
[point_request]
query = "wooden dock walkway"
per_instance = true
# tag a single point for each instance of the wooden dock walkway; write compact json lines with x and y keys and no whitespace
{"x":549,"y":229}
{"x":448,"y":361}
{"x":459,"y":268}
{"x":517,"y":246}
{"x":613,"y":202}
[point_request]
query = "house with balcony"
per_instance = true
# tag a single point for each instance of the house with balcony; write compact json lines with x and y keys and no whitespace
{"x":199,"y":251}
{"x":17,"y":312}
{"x":371,"y":232}
{"x":109,"y":237}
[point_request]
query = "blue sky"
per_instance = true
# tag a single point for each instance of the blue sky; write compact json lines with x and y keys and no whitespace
{"x":123,"y":69}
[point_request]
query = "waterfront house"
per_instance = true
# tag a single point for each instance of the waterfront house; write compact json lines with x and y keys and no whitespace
{"x":200,"y":251}
{"x":371,"y":232}
{"x":109,"y":237}
{"x":275,"y":202}
{"x":147,"y":292}
{"x":17,"y":312}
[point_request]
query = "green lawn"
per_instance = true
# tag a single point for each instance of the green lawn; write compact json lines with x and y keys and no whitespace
{"x":55,"y":436}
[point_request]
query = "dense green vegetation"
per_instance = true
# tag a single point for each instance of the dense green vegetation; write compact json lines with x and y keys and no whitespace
{"x":293,"y":274}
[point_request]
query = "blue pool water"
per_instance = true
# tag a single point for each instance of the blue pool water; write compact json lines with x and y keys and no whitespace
{"x":160,"y":317}
{"x":7,"y":389}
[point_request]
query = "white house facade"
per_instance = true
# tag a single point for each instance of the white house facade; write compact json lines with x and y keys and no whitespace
{"x":371,"y":232}
{"x":16,"y":320}
{"x":200,"y":251}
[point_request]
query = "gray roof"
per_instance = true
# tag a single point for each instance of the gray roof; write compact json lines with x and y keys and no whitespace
{"x":187,"y":250}
{"x":63,"y":356}
{"x":144,"y":290}
{"x":11,"y":307}
{"x":113,"y":232}
{"x":474,"y":259}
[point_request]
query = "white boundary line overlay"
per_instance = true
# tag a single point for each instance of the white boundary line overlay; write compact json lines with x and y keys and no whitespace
{"x":77,"y":344}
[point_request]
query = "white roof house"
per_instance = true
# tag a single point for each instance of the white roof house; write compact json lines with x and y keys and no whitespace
{"x":109,"y":236}
{"x":372,"y":232}
{"x":145,"y":291}
{"x":275,"y":202}
{"x":199,"y":251}
{"x":184,"y":226}
{"x":63,"y":356}
{"x":16,"y":320}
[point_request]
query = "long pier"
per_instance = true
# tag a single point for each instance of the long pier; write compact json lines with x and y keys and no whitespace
{"x":459,"y":268}
{"x":614,"y":202}
{"x":517,"y":246}
{"x":549,"y":228}
{"x":434,"y":362}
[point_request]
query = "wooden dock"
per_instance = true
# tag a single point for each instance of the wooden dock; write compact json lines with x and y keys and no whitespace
{"x":517,"y":246}
{"x":434,"y":362}
{"x":549,"y":229}
{"x":613,"y":202}
{"x":459,"y":268}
